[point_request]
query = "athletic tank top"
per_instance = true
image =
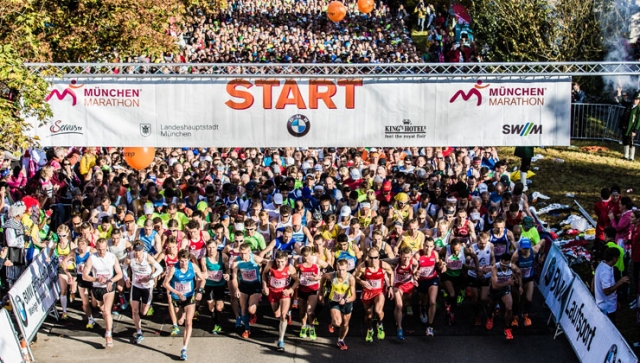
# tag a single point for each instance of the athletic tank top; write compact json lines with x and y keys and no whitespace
{"x":307,"y":285}
{"x":513,"y":221}
{"x":427,"y":267}
{"x":300,"y":237}
{"x":504,"y":276}
{"x":80,"y":261}
{"x":412,"y":242}
{"x":278,"y":280}
{"x":349,"y":255}
{"x":131,"y":237}
{"x":215,"y":272}
{"x":282,"y":224}
{"x":149,"y":241}
{"x":62,"y":253}
{"x":183,"y":281}
{"x":499,"y":243}
{"x":169,"y":261}
{"x":248,"y":271}
{"x":140,"y":269}
{"x":197,"y":247}
{"x":375,"y":279}
{"x":526,"y":264}
{"x":102,"y":267}
{"x":454,"y":262}
{"x":462,"y":232}
{"x":266,"y":233}
{"x":484,"y":259}
{"x":120,"y":250}
{"x":340,"y":289}
{"x":366,"y":219}
{"x":441,"y":241}
{"x":403,"y":274}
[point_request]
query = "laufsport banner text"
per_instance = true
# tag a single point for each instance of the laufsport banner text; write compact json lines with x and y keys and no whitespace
{"x":310,"y":113}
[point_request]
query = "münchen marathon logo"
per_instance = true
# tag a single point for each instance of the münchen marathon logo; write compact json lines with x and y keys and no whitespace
{"x":298,"y":125}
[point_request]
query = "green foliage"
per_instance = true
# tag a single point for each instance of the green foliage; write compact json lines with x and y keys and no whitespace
{"x":538,"y":30}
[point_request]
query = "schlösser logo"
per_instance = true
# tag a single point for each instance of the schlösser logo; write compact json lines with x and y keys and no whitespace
{"x":298,"y":125}
{"x":475,"y":91}
{"x":22,"y":311}
{"x":67,"y":92}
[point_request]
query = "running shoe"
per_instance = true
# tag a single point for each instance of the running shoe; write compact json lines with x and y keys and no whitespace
{"x":341,"y":345}
{"x":124,"y":304}
{"x":514,"y":322}
{"x":295,"y":304}
{"x":253,"y":318}
{"x":508,"y":334}
{"x":183,"y":354}
{"x":280,"y":345}
{"x":369,"y":337}
{"x":216,"y":329}
{"x":90,"y":324}
{"x":72,"y":297}
{"x":289,"y":319}
{"x":175,"y":331}
{"x":312,"y":333}
{"x":381,"y":333}
{"x":150,"y":311}
{"x":478,"y":321}
{"x":109,"y":342}
{"x":246,"y":333}
{"x":238,"y":322}
{"x":409,"y":311}
{"x":429,"y":331}
{"x":315,"y":321}
{"x":304,"y":331}
{"x":64,"y":316}
{"x":423,"y":316}
{"x":489,"y":324}
{"x":138,"y":338}
{"x":527,"y":320}
{"x":460,"y":298}
{"x":331,"y":329}
{"x":400,"y":334}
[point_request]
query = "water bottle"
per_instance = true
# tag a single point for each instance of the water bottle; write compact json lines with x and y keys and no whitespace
{"x":558,"y":160}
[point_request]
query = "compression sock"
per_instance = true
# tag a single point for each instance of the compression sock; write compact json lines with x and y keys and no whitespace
{"x":63,"y":302}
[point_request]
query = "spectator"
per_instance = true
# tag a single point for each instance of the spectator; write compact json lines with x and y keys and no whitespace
{"x":605,"y":286}
{"x":630,"y":124}
{"x":577,"y":95}
{"x":16,"y":240}
{"x":421,"y":10}
{"x":601,"y":209}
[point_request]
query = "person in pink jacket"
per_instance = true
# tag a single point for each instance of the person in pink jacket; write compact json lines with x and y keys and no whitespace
{"x":623,"y":225}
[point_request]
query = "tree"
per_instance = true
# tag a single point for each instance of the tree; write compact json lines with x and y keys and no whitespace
{"x":77,"y":31}
{"x":539,"y":30}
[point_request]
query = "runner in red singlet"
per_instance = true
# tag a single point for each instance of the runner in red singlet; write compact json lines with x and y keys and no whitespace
{"x":279,"y":280}
{"x":429,"y":267}
{"x":403,"y":285}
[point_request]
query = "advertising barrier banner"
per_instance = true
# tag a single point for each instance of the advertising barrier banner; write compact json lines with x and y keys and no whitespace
{"x":592,"y":335}
{"x":10,"y":350}
{"x":555,"y":281}
{"x":307,"y":112}
{"x":35,"y":292}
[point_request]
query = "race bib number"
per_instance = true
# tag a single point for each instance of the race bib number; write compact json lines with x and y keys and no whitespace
{"x":402,"y":278}
{"x":351,"y":264}
{"x":215,"y":275}
{"x":183,"y":288}
{"x":526,"y":271}
{"x":198,"y":253}
{"x":138,"y":280}
{"x":331,"y":243}
{"x":249,"y":275}
{"x":375,"y":284}
{"x":503,"y":279}
{"x":80,"y":268}
{"x":304,"y":280}
{"x":454,"y":264}
{"x":499,"y":249}
{"x":425,"y":271}
{"x":277,"y":283}
{"x":337,"y":297}
{"x":102,"y":276}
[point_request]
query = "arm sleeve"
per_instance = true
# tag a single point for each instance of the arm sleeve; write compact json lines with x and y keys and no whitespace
{"x":157,"y":269}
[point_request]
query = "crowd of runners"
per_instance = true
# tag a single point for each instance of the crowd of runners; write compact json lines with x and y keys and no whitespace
{"x":306,"y":229}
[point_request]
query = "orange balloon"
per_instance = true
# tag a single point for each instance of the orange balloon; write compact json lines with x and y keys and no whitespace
{"x":336,"y":11}
{"x":139,"y":157}
{"x":365,"y":6}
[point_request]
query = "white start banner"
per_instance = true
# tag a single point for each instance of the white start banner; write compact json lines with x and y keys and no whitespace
{"x":593,"y":336}
{"x":307,"y":112}
{"x":555,"y":280}
{"x":35,"y":292}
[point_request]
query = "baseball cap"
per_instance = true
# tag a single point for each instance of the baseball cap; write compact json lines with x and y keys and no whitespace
{"x":345,"y":211}
{"x":483,"y":188}
{"x":277,"y":199}
{"x":318,"y":167}
{"x":637,"y":96}
{"x":505,"y":180}
{"x":129,"y":218}
{"x":525,"y":243}
{"x":148,"y":208}
{"x":355,"y":174}
{"x":386,"y":186}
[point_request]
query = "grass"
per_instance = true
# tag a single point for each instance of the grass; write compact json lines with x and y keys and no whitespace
{"x":584,"y":173}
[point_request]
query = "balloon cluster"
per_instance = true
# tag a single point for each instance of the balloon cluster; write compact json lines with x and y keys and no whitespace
{"x":336,"y":11}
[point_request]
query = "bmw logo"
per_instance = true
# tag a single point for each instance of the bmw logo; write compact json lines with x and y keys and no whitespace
{"x":298,"y":125}
{"x":22,"y":311}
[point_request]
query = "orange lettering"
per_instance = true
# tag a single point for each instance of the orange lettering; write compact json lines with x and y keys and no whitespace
{"x":290,"y":86}
{"x":350,"y":88}
{"x":315,"y":94}
{"x":234,"y":92}
{"x":267,"y":86}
